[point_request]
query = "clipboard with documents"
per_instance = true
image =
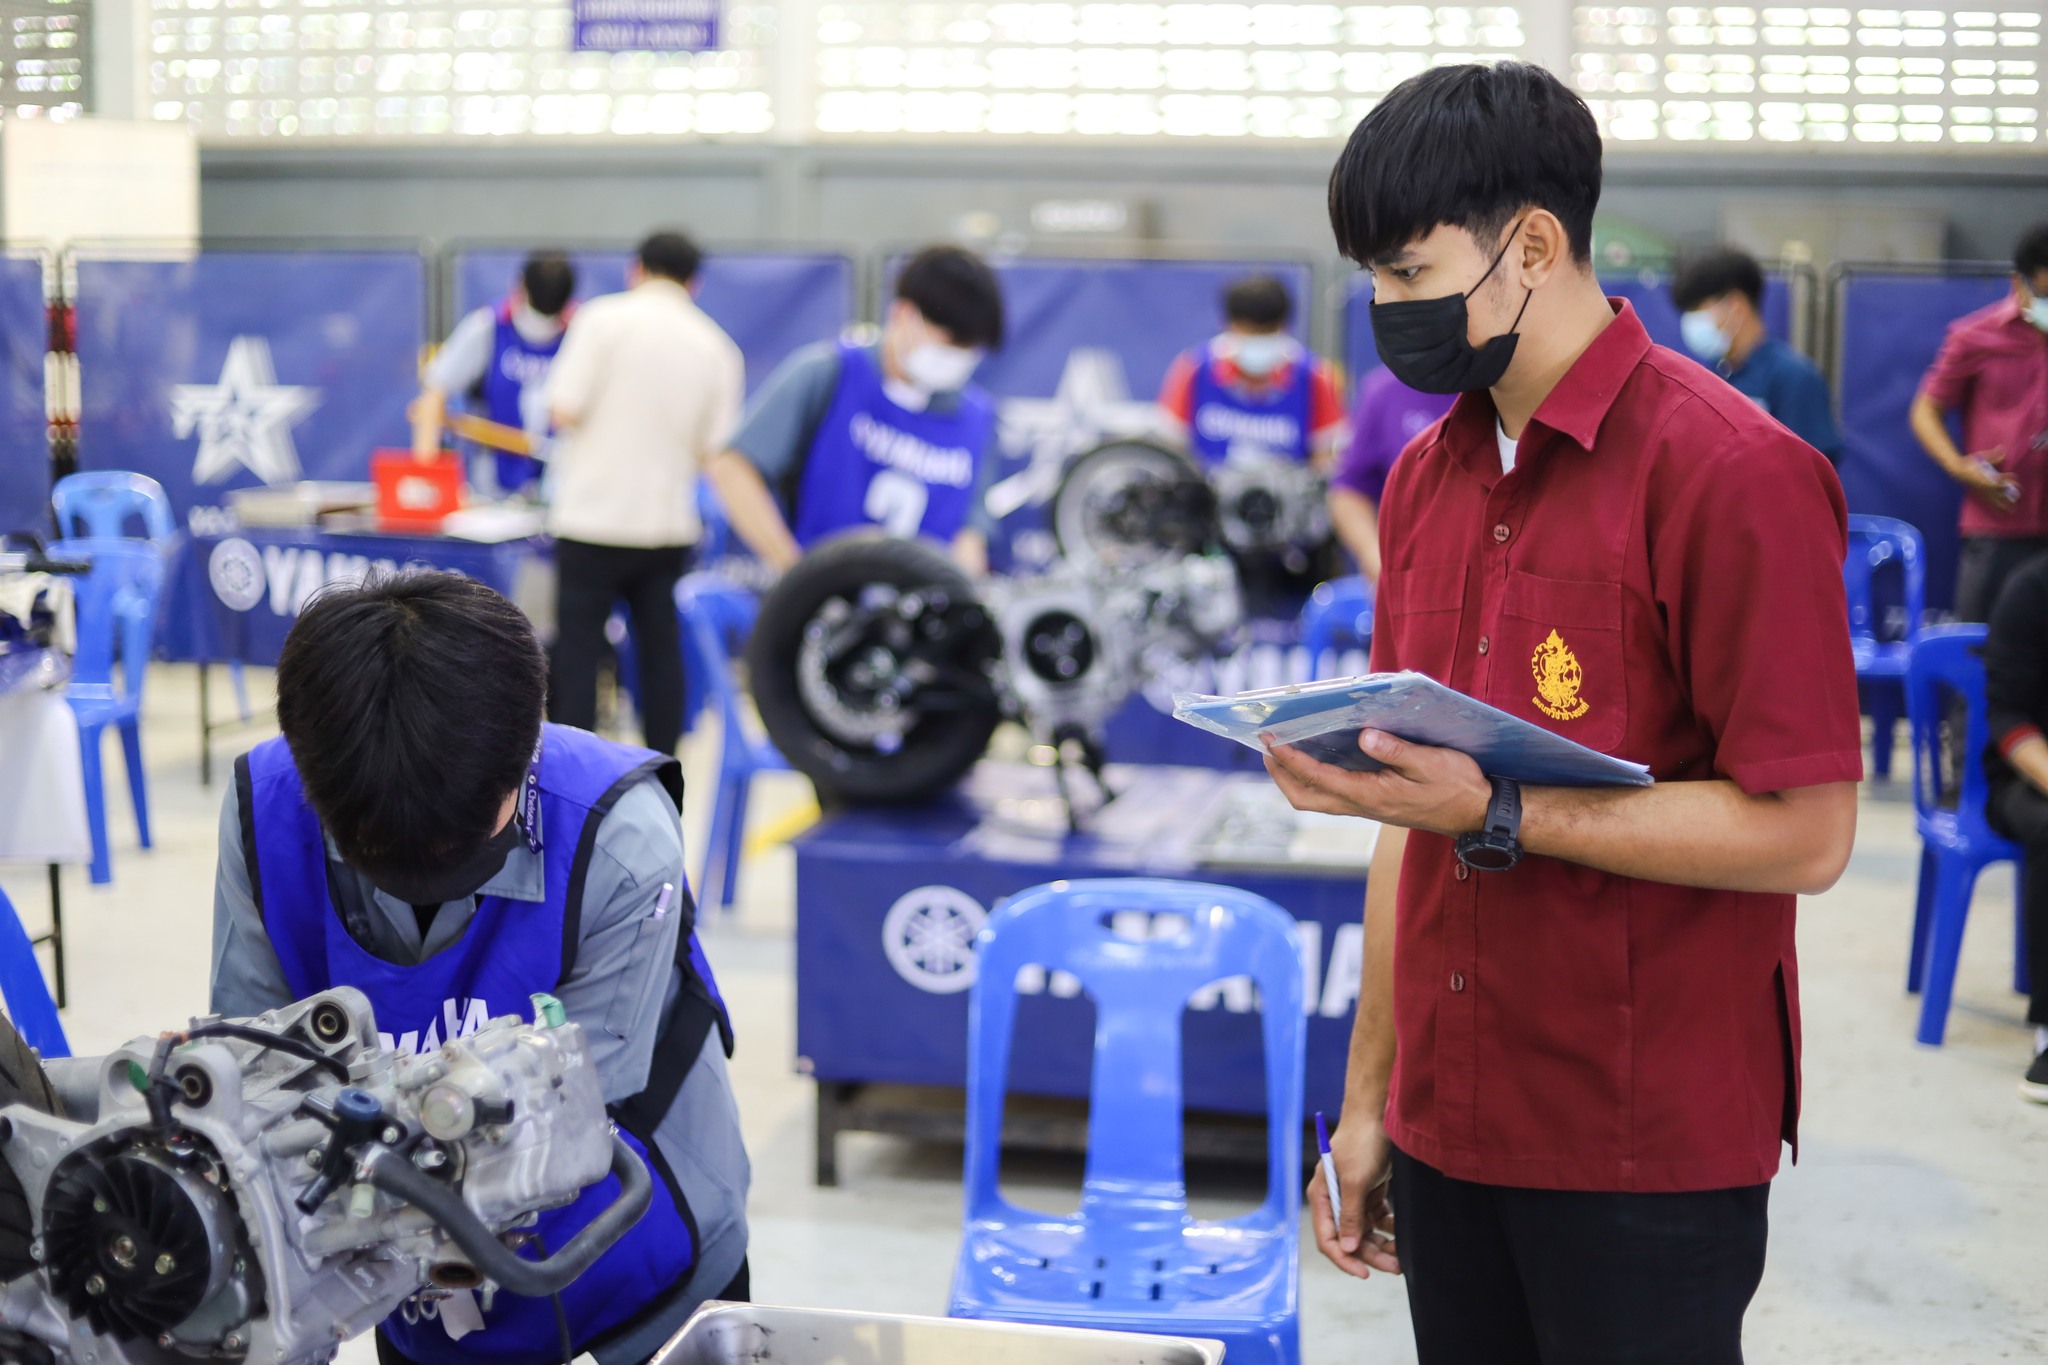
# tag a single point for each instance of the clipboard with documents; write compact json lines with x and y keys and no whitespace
{"x":1323,"y":719}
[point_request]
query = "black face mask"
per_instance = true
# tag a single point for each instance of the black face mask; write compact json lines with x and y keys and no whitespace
{"x":1423,"y":340}
{"x":456,"y":880}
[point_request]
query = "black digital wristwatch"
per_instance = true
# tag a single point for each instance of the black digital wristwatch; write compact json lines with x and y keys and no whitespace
{"x":1496,"y":846}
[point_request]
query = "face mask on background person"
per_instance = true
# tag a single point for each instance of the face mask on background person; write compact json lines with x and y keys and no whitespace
{"x":938,"y":368}
{"x":1703,"y":336}
{"x":456,"y":880}
{"x":2036,"y":310}
{"x":1257,"y":356}
{"x":1423,"y":341}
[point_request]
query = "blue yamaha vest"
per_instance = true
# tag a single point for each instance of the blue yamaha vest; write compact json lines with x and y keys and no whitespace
{"x":875,"y":463}
{"x":1274,"y":419}
{"x":516,"y":366}
{"x":511,"y":950}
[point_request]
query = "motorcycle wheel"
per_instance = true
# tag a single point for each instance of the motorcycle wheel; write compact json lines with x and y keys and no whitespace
{"x":869,"y":667}
{"x":1130,"y":502}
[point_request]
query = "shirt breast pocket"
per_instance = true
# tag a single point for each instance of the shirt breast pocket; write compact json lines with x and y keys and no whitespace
{"x":1559,"y":660}
{"x":1419,"y":609}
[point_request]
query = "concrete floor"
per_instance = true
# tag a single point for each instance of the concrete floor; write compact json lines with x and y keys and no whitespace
{"x":1912,"y":1229}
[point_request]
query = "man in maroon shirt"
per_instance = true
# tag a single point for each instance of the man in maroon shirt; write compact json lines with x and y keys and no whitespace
{"x":1576,"y":1049}
{"x":1992,"y":373}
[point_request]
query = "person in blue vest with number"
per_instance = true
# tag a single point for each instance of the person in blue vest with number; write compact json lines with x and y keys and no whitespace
{"x":885,"y":433}
{"x":497,"y":359}
{"x":419,"y":834}
{"x":1252,"y":389}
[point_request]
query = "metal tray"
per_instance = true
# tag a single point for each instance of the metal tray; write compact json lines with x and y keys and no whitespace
{"x":756,"y":1334}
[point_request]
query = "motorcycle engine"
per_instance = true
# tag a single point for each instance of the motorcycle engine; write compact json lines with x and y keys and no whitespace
{"x":1267,"y":504}
{"x":212,"y":1205}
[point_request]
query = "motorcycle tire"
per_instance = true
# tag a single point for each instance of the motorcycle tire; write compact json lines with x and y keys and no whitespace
{"x":21,"y":1082}
{"x":1179,"y":518}
{"x":951,"y":730}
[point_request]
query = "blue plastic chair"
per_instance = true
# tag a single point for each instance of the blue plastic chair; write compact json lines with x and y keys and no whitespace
{"x":116,"y":605}
{"x":22,"y":986}
{"x":1874,"y":543}
{"x":99,"y":504}
{"x":1340,"y":609}
{"x":717,"y":617}
{"x":1956,"y":842}
{"x":1132,"y":1259}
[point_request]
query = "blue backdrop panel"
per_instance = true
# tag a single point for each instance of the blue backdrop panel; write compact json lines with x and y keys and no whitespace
{"x":333,"y":339}
{"x":1648,"y":291}
{"x":770,"y":303}
{"x":235,"y":369}
{"x":1891,"y":327}
{"x":24,"y":433}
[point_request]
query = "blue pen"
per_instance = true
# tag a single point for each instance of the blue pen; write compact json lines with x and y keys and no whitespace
{"x":1329,"y":1164}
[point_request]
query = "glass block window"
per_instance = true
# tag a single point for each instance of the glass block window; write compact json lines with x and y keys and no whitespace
{"x":1133,"y":70}
{"x":396,"y":68}
{"x":1968,"y":74}
{"x":45,"y":58}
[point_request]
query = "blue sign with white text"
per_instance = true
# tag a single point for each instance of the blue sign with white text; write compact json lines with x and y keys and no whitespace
{"x":643,"y":25}
{"x":769,"y":303}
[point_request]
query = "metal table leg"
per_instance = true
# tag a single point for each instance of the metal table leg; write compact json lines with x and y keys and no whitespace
{"x":55,"y":938}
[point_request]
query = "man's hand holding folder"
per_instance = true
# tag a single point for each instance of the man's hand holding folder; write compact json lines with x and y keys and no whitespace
{"x":1417,"y":786}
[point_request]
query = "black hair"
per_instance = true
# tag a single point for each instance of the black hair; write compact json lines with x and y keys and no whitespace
{"x":1716,"y":274}
{"x":550,"y":282}
{"x":1468,"y":146}
{"x":411,"y":704}
{"x":955,"y":289}
{"x":2030,"y":257}
{"x":1258,"y":301}
{"x":671,"y":255}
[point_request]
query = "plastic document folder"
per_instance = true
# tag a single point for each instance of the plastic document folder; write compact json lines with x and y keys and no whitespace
{"x":1323,"y":719}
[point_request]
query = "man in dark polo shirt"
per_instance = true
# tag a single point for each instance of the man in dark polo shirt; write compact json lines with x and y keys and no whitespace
{"x":1576,"y":1049}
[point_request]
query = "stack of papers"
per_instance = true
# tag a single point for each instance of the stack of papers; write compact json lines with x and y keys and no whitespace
{"x":1323,"y":719}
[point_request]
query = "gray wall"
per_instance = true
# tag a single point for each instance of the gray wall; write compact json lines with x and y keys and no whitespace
{"x":862,"y":198}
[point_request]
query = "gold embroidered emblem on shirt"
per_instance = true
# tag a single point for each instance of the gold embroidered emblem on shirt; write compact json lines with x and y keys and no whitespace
{"x":1558,"y":679}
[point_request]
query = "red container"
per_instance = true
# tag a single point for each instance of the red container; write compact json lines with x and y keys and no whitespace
{"x":412,"y":496}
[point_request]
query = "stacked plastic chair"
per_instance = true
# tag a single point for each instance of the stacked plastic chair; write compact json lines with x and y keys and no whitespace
{"x":1132,"y":1259}
{"x":117,"y":610}
{"x":718,"y":616}
{"x":1956,"y":843}
{"x":1874,"y":544}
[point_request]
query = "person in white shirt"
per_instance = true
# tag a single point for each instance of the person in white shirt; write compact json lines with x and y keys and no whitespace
{"x":646,"y":388}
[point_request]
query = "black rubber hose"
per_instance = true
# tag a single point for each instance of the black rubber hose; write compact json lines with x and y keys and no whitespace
{"x":397,"y":1176}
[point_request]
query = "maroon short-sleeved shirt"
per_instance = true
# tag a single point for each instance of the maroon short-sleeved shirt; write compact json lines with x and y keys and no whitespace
{"x":1659,"y":578}
{"x":1993,"y":369}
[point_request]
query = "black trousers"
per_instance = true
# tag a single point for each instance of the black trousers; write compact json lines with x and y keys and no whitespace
{"x":1986,"y":562}
{"x":741,"y":1290}
{"x":2020,"y":813}
{"x":1505,"y":1276}
{"x":590,"y":580}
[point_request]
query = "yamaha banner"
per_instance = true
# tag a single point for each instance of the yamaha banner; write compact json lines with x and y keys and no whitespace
{"x":237,"y":369}
{"x":1089,"y":344}
{"x":1892,"y":324}
{"x":243,"y":369}
{"x":1648,"y":292}
{"x":24,"y":430}
{"x":769,"y":303}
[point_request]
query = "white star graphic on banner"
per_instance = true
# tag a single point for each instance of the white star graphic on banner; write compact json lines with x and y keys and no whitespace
{"x":1091,"y":404}
{"x":244,"y":420}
